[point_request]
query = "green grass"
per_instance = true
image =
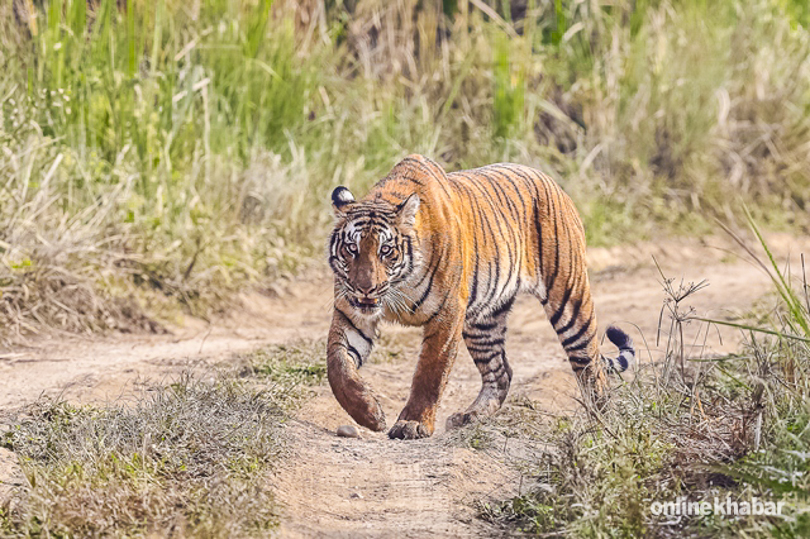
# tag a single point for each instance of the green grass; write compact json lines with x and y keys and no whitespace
{"x":735,"y":426}
{"x":157,"y":160}
{"x":294,"y":365}
{"x":190,"y":459}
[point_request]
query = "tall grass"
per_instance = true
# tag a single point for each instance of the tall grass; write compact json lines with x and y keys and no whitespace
{"x":168,"y":153}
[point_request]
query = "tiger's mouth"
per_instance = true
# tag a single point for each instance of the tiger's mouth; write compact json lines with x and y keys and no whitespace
{"x":365,"y":304}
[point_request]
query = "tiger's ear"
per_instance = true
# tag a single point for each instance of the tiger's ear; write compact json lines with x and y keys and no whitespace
{"x":341,"y":198}
{"x":406,"y":212}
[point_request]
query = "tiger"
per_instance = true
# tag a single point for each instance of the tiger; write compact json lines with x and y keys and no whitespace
{"x":449,"y":253}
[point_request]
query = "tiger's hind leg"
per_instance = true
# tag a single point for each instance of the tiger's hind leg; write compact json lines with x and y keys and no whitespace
{"x":570,"y":309}
{"x":485,"y":338}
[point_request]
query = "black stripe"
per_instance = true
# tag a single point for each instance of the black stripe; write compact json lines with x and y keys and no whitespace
{"x":431,"y":173}
{"x":358,"y":359}
{"x":553,"y":217}
{"x":496,"y":373}
{"x":560,"y":308}
{"x":579,"y":360}
{"x":513,"y":209}
{"x":409,"y":160}
{"x":577,"y":305}
{"x":505,"y":307}
{"x":440,"y":309}
{"x":476,"y":341}
{"x":485,"y":326}
{"x":488,"y":358}
{"x":349,"y":320}
{"x":579,"y":346}
{"x":582,"y":330}
{"x":539,"y":232}
{"x":432,"y":272}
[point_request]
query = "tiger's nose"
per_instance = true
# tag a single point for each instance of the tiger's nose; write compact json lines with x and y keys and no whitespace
{"x":365,"y":290}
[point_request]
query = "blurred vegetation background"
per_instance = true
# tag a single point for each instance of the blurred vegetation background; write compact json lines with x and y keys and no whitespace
{"x":158,"y":156}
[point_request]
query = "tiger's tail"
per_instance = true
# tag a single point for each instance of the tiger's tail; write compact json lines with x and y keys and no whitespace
{"x":627,"y":353}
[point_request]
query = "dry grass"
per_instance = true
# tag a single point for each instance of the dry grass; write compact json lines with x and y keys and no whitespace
{"x":189,"y":459}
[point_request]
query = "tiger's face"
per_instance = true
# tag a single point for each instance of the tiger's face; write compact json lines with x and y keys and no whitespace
{"x":372,"y":250}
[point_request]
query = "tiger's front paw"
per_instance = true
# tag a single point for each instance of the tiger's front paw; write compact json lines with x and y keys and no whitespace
{"x":408,"y":430}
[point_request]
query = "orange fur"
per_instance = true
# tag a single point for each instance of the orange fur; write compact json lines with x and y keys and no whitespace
{"x":449,"y":252}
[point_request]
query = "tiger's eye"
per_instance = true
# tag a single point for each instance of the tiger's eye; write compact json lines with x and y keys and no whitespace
{"x":385,"y":250}
{"x":352,"y":248}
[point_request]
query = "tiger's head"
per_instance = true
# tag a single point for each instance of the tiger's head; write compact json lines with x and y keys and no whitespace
{"x":372,"y":250}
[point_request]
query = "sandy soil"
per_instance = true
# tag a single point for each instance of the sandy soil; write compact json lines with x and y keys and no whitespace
{"x":372,"y":486}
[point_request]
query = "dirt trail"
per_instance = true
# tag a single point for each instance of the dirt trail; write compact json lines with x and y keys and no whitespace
{"x":372,"y":486}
